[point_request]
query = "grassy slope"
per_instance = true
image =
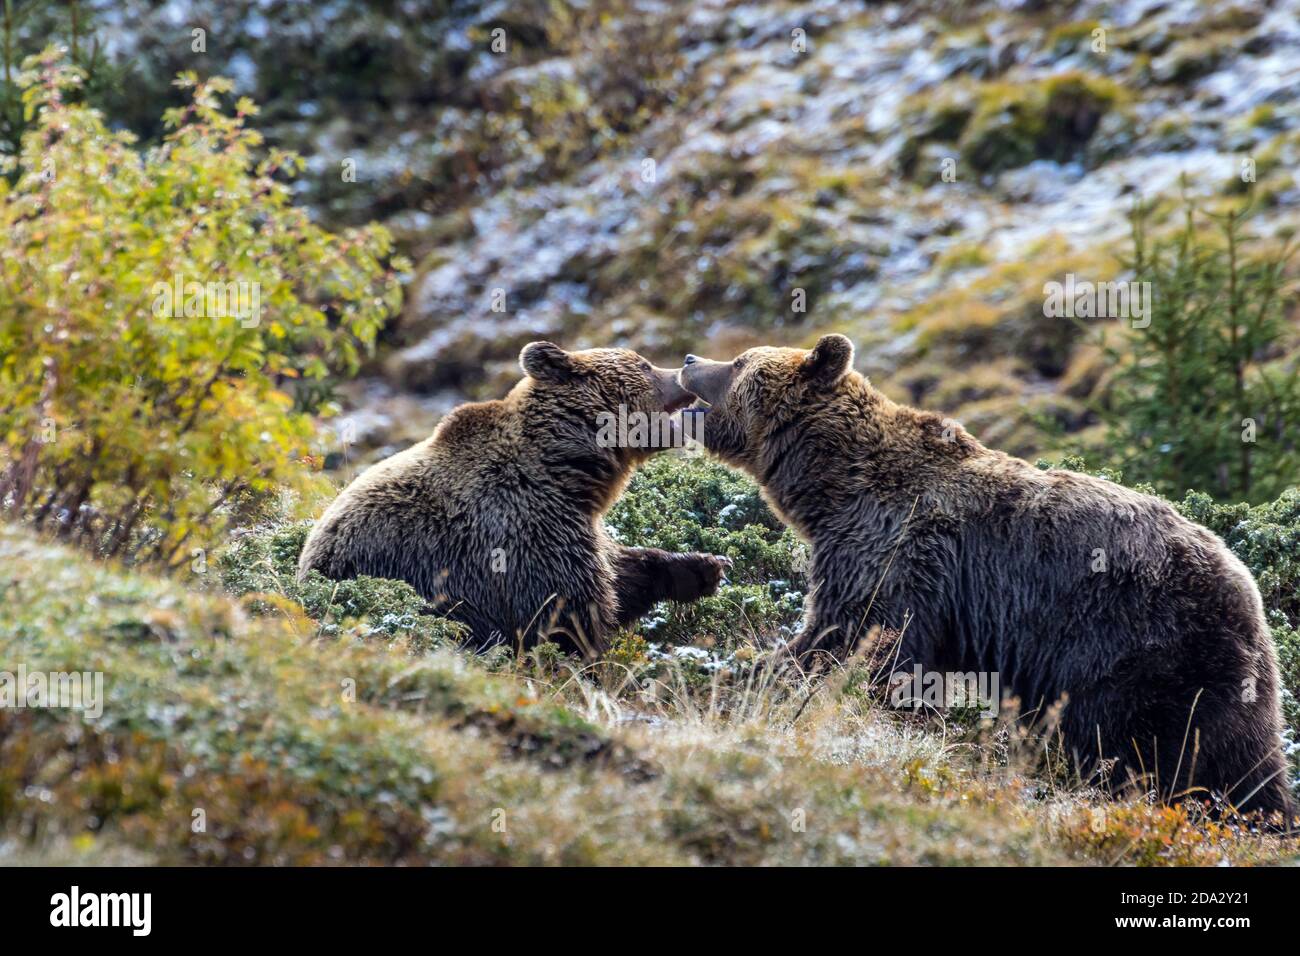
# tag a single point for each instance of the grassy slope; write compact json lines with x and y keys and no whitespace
{"x":210,"y":706}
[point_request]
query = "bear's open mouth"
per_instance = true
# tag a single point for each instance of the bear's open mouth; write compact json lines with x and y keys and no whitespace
{"x":677,"y":404}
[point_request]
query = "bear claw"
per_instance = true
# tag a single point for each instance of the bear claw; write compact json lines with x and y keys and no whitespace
{"x":709,"y":571}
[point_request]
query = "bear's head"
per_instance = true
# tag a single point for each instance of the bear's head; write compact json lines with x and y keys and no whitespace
{"x":764,"y":392}
{"x":623,"y":400}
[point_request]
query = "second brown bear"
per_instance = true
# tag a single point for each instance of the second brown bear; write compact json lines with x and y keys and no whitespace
{"x":1072,"y":590}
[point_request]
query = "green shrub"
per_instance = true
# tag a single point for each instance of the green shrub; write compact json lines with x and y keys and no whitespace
{"x":690,"y":504}
{"x":1267,"y":539}
{"x":693,"y":504}
{"x":133,"y":421}
{"x":1200,"y":400}
{"x":738,"y":613}
{"x":264,"y":561}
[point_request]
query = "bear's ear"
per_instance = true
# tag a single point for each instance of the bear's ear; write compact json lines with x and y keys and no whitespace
{"x":829,"y":359}
{"x":545,"y":362}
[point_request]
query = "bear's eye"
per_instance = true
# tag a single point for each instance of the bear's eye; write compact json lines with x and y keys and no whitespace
{"x":738,"y":364}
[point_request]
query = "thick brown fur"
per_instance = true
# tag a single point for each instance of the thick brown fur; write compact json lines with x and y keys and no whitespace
{"x":1068,"y":587}
{"x":496,"y":518}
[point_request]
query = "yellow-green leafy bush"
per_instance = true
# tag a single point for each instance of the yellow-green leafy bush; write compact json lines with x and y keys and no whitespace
{"x":156,"y":310}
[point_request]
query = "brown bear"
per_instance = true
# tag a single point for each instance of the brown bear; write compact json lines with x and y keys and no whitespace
{"x":1072,"y":590}
{"x":495,"y":519}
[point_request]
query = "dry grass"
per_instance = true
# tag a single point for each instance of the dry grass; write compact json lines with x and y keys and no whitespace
{"x":444,"y":757}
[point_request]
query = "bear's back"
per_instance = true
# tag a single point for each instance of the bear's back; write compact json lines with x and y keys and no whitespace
{"x":1096,"y":571}
{"x":417,"y":508}
{"x":469,"y":453}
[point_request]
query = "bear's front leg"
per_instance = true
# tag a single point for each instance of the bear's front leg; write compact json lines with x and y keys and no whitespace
{"x":879,"y":635}
{"x":645,"y":576}
{"x":822,"y":634}
{"x":833,"y":617}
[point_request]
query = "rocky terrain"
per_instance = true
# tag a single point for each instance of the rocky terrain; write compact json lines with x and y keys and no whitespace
{"x":709,"y":175}
{"x":794,"y":183}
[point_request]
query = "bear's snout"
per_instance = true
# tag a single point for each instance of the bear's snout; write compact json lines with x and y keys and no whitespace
{"x":707,"y":379}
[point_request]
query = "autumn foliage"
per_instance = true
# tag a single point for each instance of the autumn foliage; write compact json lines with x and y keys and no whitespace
{"x":132,"y":418}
